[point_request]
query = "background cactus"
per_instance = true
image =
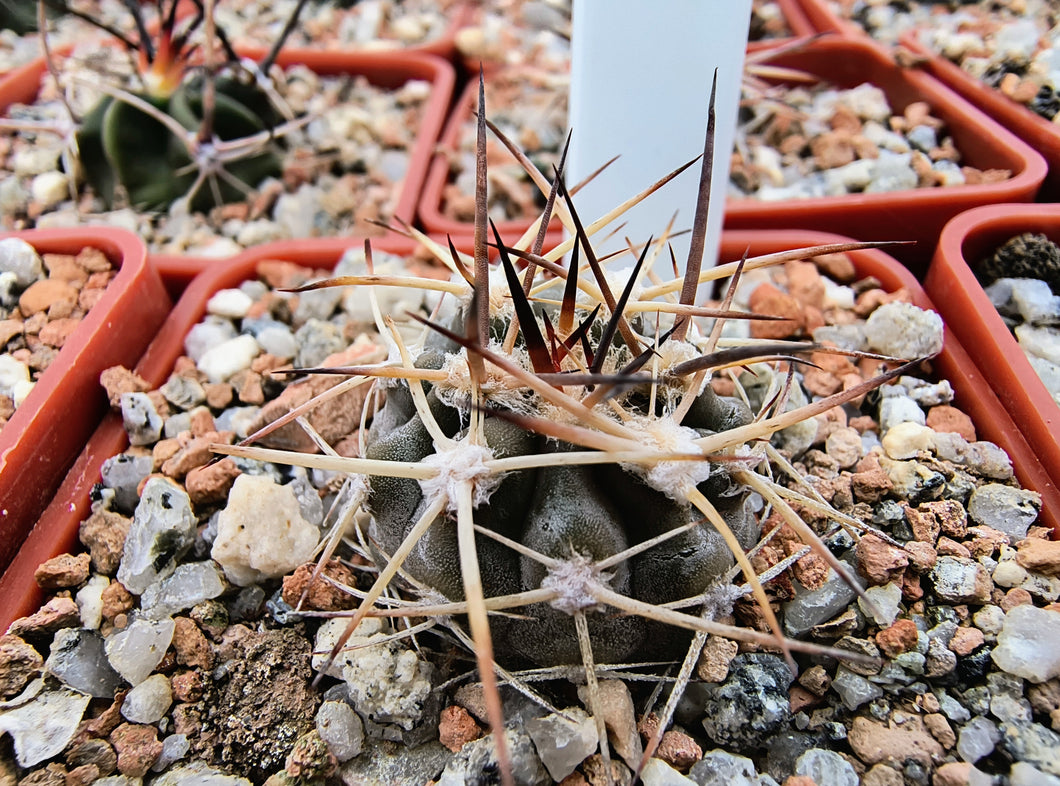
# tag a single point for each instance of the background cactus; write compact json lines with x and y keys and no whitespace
{"x":208,"y":133}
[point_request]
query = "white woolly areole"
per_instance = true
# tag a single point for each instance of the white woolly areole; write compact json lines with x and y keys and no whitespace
{"x":572,"y":579}
{"x":673,"y":353}
{"x":672,"y":478}
{"x":455,"y":389}
{"x":462,"y":463}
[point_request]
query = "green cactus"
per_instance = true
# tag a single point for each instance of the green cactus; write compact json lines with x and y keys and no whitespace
{"x":121,"y":144}
{"x":207,"y":134}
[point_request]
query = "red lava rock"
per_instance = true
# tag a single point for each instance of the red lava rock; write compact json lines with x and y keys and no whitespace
{"x":190,"y":645}
{"x":88,"y":297}
{"x":950,"y":515}
{"x":1017,"y":596}
{"x":64,"y":267}
{"x":922,"y":557}
{"x":940,"y":729}
{"x":805,"y":283}
{"x":950,"y":419}
{"x":879,"y":561}
{"x":210,"y":484}
{"x":54,"y":615}
{"x":65,"y":570}
{"x":1041,"y":556}
{"x":828,"y":423}
{"x":819,"y":382}
{"x":966,"y":641}
{"x":218,"y":394}
{"x":41,"y":295}
{"x":456,"y":728}
{"x":714,"y":660}
{"x":282,"y":275}
{"x":811,"y":571}
{"x":83,"y":775}
{"x":116,"y":600}
{"x":117,"y":380}
{"x":833,"y":149}
{"x":103,"y":534}
{"x":954,"y":773}
{"x":94,"y":260}
{"x":247,"y":385}
{"x":767,"y":299}
{"x":138,"y":748}
{"x":19,"y":663}
{"x":265,"y":364}
{"x":56,"y":332}
{"x":948,"y":547}
{"x":985,"y":541}
{"x":870,"y":481}
{"x":322,"y":595}
{"x":924,"y":525}
{"x":836,"y":266}
{"x":864,"y":423}
{"x":9,"y":328}
{"x":194,"y":453}
{"x":801,"y":699}
{"x":101,"y":725}
{"x":678,"y":750}
{"x":874,"y":742}
{"x":188,"y":686}
{"x":898,"y":638}
{"x":162,"y":451}
{"x":800,"y":780}
{"x":333,"y":419}
{"x":911,"y":587}
{"x":202,"y":422}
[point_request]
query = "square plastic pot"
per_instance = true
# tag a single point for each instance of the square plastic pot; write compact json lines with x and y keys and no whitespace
{"x":443,"y":46}
{"x":916,"y":215}
{"x":823,"y":19}
{"x":968,"y":312}
{"x":798,"y":23}
{"x":430,"y":207}
{"x":55,"y":531}
{"x":46,"y":433}
{"x":388,"y":71}
{"x":1041,"y":134}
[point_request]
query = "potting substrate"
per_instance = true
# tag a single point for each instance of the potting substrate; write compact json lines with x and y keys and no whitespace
{"x":173,"y":614}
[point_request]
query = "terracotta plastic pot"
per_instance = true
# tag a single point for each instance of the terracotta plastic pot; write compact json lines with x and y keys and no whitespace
{"x":389,"y":71}
{"x":913,"y":215}
{"x":56,"y":529}
{"x":444,"y":46}
{"x":43,"y":437}
{"x":969,"y":238}
{"x":430,"y":207}
{"x":823,"y":19}
{"x":797,"y":20}
{"x":1041,"y":134}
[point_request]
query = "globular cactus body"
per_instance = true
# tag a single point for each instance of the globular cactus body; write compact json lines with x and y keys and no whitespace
{"x":122,"y":145}
{"x":574,"y":514}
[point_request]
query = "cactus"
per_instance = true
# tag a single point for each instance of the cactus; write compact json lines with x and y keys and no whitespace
{"x":187,"y":127}
{"x":575,"y":469}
